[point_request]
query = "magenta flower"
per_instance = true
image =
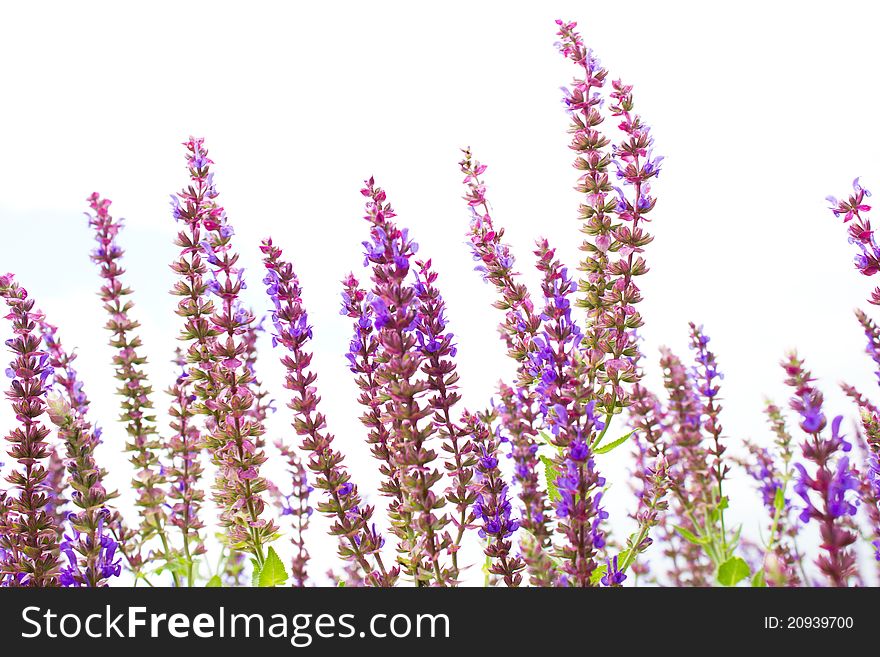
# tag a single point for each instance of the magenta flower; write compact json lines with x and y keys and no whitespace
{"x":855,"y":209}
{"x":438,"y":350}
{"x":297,"y":506}
{"x":825,"y":491}
{"x":363,"y":360}
{"x":144,"y":445}
{"x":220,"y":380}
{"x":90,"y":546}
{"x":396,"y":311}
{"x":29,"y":538}
{"x":79,"y":468}
{"x":342,"y":503}
{"x":492,"y":505}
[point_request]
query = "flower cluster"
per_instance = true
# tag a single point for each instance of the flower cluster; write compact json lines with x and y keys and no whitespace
{"x":81,"y":438}
{"x":520,"y":421}
{"x":522,"y":479}
{"x":195,"y":207}
{"x":362,"y":357}
{"x":396,"y":308}
{"x":518,"y":406}
{"x":689,"y":472}
{"x":492,"y":505}
{"x":185,"y":470}
{"x":143,"y":445}
{"x":352,"y":519}
{"x":869,"y":488}
{"x":90,"y":547}
{"x":296,"y":505}
{"x":438,"y":351}
{"x":220,"y":378}
{"x":573,"y":379}
{"x":860,"y":231}
{"x":826,"y":492}
{"x":28,"y":536}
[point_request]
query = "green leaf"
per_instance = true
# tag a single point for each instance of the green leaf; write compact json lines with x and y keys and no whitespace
{"x":617,"y":443}
{"x":255,"y":578}
{"x":623,"y":556}
{"x":732,"y":571}
{"x":598,"y":574}
{"x":758,"y":581}
{"x":546,"y":437}
{"x":551,"y":474}
{"x":341,"y":583}
{"x":724,"y":503}
{"x":690,"y":536}
{"x":779,"y":500}
{"x":273,"y":573}
{"x":734,"y":539}
{"x":214,"y":583}
{"x":178,"y":566}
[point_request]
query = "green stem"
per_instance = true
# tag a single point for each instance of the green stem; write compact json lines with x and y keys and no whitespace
{"x":608,"y":417}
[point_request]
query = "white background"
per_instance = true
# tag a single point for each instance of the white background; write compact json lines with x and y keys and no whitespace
{"x":761,"y":109}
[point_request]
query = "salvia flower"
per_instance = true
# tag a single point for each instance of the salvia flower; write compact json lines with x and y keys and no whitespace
{"x":185,"y":471}
{"x":342,"y":503}
{"x":612,"y":219}
{"x":652,"y":509}
{"x":221,"y":381}
{"x":390,"y":252}
{"x":439,"y":367}
{"x":362,"y":357}
{"x":855,"y":209}
{"x":521,"y":322}
{"x":828,"y":493}
{"x":706,"y":377}
{"x":870,"y":481}
{"x":29,"y":539}
{"x":297,"y":506}
{"x":521,"y":423}
{"x":143,"y":445}
{"x":67,"y":384}
{"x":89,"y":546}
{"x":492,"y":506}
{"x":690,"y":471}
{"x":519,"y":330}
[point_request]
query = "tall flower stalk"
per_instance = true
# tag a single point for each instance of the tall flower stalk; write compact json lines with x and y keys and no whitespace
{"x":297,"y":506}
{"x":351,"y":519}
{"x":492,"y":505}
{"x":185,"y":471}
{"x":140,"y":422}
{"x":855,"y":209}
{"x":193,"y":207}
{"x":690,"y":476}
{"x":74,"y":425}
{"x":519,"y":331}
{"x":396,"y":308}
{"x":363,"y":358}
{"x":870,"y":481}
{"x":220,"y":378}
{"x":827,"y":491}
{"x":773,"y":471}
{"x":89,"y":547}
{"x":438,"y":351}
{"x":29,"y":539}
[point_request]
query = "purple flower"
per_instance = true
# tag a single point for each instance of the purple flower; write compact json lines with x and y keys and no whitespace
{"x":342,"y":501}
{"x":825,"y":492}
{"x":29,"y":534}
{"x":492,"y":505}
{"x":613,"y":575}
